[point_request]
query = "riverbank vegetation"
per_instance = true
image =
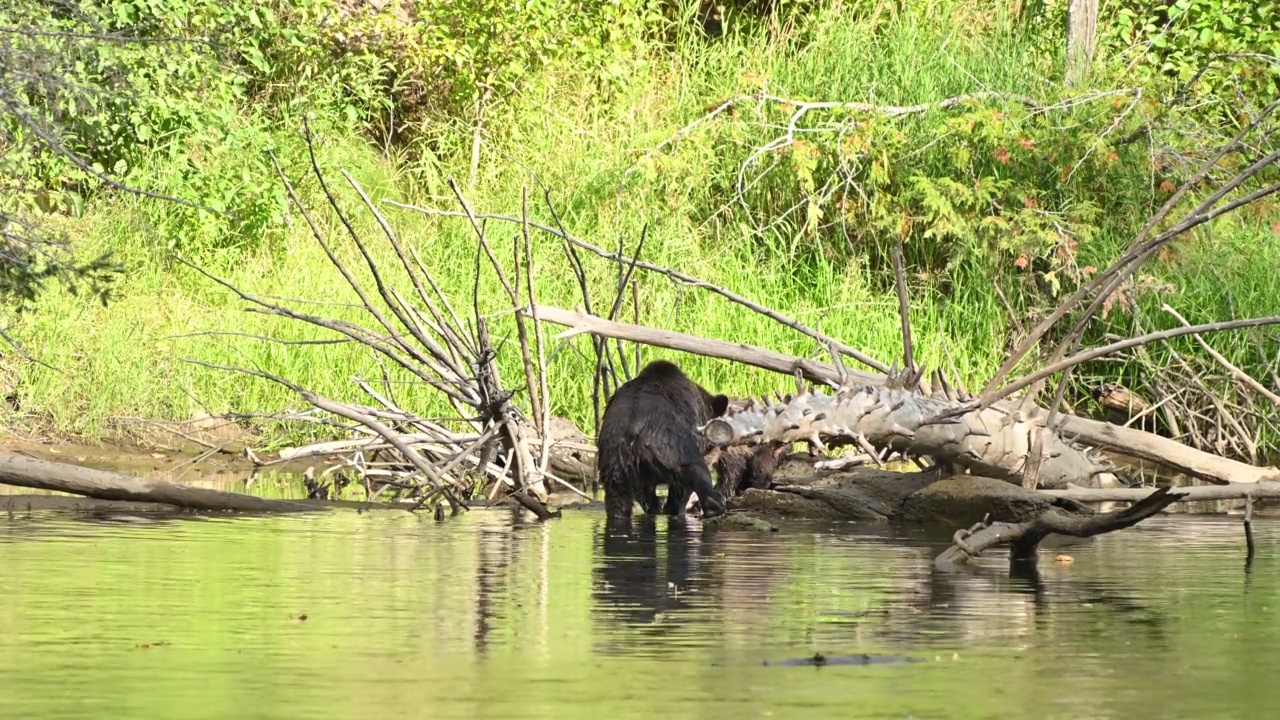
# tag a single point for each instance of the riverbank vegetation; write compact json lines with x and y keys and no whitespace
{"x":633,"y":123}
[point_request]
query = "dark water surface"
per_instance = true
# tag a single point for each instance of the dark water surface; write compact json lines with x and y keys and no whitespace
{"x":487,"y":616}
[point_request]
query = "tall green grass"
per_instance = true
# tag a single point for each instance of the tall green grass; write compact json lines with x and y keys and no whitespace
{"x":126,"y":360}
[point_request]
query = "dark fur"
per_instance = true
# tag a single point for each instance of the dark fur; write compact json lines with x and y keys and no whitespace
{"x":742,"y":467}
{"x":648,"y":437}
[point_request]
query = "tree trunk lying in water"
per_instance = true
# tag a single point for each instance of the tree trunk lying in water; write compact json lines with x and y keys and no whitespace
{"x":995,"y":511}
{"x":865,"y":493}
{"x":30,"y":472}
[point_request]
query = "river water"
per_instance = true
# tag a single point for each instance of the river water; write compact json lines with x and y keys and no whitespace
{"x":390,"y":615}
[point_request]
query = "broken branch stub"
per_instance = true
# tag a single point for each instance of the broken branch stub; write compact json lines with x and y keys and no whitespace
{"x":991,"y":442}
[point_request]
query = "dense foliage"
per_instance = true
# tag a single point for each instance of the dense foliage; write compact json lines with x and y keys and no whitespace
{"x":198,"y":87}
{"x":113,"y":109}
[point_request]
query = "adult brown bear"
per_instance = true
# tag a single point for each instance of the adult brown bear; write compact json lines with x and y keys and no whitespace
{"x":649,"y":437}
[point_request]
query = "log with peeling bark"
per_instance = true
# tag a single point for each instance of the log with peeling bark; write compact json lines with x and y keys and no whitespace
{"x":894,"y":417}
{"x":1083,"y":431}
{"x":29,"y":472}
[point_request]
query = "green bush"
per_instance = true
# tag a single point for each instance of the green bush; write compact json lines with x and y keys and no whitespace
{"x":182,"y":98}
{"x":1231,"y":48}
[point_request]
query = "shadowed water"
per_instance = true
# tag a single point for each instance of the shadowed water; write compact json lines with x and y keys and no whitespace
{"x":487,"y":616}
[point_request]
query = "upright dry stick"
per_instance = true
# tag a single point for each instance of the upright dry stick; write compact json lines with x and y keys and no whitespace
{"x":528,"y":472}
{"x":438,"y":352}
{"x":417,"y":355}
{"x":545,"y":458}
{"x":904,"y":309}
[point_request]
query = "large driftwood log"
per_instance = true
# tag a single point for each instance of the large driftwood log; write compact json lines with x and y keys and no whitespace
{"x":996,"y":512}
{"x":990,"y":443}
{"x":805,"y":488}
{"x":61,"y":477}
{"x":865,"y":493}
{"x":1130,"y":441}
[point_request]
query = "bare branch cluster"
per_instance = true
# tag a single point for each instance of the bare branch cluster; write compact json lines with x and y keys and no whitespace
{"x":423,"y":334}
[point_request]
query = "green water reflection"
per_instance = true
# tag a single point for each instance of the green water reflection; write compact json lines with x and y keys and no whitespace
{"x":485,"y":616}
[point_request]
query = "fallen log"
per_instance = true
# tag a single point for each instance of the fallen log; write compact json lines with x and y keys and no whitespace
{"x":1130,"y":441}
{"x":867,"y":493}
{"x":1023,"y":537}
{"x":895,"y":417}
{"x":1231,"y":491}
{"x":29,"y":472}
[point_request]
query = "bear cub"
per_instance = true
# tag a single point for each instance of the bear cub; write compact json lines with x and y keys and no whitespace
{"x":743,"y":467}
{"x":649,"y":437}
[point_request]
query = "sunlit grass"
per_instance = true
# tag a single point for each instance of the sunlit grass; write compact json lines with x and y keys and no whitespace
{"x":127,"y":360}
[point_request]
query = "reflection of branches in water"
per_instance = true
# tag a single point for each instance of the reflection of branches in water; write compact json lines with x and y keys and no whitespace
{"x":494,"y":551}
{"x":960,"y":608}
{"x":1060,"y":593}
{"x":644,"y":588}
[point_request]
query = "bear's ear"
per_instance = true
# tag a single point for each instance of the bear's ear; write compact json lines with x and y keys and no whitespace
{"x":719,"y":405}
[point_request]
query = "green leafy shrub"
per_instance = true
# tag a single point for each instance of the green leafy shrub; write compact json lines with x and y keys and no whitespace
{"x":127,"y":83}
{"x":1224,"y":45}
{"x":182,"y":98}
{"x":982,"y":190}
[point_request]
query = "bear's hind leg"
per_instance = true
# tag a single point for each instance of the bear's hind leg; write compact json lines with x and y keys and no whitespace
{"x":619,"y":495}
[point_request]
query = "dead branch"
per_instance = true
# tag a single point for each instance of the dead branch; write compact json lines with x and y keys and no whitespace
{"x":904,"y":308}
{"x":544,"y":393}
{"x":1025,"y":536}
{"x":1230,"y":491}
{"x":823,"y":341}
{"x":990,"y":399}
{"x":422,"y":333}
{"x":30,"y":472}
{"x":499,"y":407}
{"x":580,"y":323}
{"x":391,"y":437}
{"x":1142,"y":248}
{"x":1236,"y":372}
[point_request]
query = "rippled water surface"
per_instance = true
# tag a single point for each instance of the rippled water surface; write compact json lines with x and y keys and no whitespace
{"x":382,"y":615}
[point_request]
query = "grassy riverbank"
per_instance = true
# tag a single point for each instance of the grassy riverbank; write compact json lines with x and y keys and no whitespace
{"x":126,"y":360}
